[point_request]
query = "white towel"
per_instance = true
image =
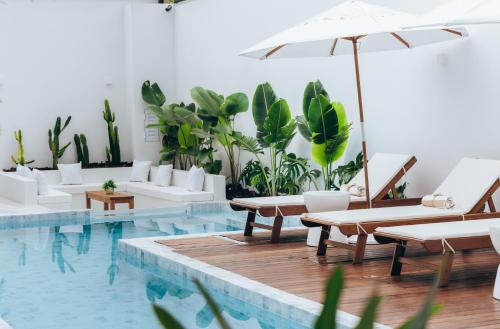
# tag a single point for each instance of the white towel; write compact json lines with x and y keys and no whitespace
{"x":353,"y":189}
{"x":438,"y":201}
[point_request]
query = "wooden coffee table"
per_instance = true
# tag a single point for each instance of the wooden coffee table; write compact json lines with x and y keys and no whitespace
{"x":109,"y":200}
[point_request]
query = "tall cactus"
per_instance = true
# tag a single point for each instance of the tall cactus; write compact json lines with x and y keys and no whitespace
{"x":82,"y":150}
{"x":54,"y":145}
{"x":113,"y":151}
{"x":20,"y":160}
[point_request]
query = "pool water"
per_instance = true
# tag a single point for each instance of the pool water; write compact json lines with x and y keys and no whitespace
{"x":72,"y":276}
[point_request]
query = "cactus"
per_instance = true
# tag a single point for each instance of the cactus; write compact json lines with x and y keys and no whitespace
{"x":57,"y":152}
{"x":82,"y":150}
{"x":18,"y":135}
{"x":113,"y":151}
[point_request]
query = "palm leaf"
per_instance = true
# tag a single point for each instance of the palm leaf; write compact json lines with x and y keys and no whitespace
{"x":327,"y":318}
{"x":166,"y":319}
{"x":213,"y":306}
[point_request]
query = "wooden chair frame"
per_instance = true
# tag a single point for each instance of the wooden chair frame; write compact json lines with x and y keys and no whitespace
{"x":433,"y":246}
{"x":299,"y":209}
{"x":369,"y":227}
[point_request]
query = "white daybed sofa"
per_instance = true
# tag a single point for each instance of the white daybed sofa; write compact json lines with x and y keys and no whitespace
{"x":24,"y":190}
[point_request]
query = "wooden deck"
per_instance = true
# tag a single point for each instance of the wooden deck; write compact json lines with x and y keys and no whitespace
{"x":295,"y":268}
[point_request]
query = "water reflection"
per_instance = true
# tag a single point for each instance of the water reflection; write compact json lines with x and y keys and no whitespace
{"x":84,"y":240}
{"x":115,"y":231}
{"x":60,"y":240}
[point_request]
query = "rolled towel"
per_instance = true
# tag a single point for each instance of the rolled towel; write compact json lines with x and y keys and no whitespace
{"x":438,"y":201}
{"x":353,"y":189}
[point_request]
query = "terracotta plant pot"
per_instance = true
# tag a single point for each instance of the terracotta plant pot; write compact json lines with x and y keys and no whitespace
{"x":110,"y":190}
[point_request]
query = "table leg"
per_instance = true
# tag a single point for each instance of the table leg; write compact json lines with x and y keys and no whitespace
{"x":112,"y":205}
{"x":106,"y":207}
{"x":87,"y":201}
{"x":131,"y":203}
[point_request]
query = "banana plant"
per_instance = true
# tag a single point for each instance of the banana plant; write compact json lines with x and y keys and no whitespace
{"x":275,"y":130}
{"x":218,"y":115}
{"x":324,"y":123}
{"x":20,"y":160}
{"x":54,"y":145}
{"x":184,"y":140}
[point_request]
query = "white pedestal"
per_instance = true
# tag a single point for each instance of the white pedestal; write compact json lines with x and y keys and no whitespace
{"x":323,"y":201}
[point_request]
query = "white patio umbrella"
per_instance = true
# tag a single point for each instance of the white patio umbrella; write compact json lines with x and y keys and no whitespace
{"x":351,"y":27}
{"x":462,"y":12}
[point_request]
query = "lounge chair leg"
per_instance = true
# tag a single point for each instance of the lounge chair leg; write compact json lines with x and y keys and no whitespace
{"x":359,"y":252}
{"x":399,"y":252}
{"x":275,"y":235}
{"x":446,"y":263}
{"x":491,"y":205}
{"x":325,"y":235}
{"x":250,"y":221}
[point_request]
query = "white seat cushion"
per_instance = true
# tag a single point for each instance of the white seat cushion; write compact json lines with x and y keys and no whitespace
{"x":55,"y":196}
{"x":71,"y":174}
{"x":438,"y":231}
{"x":382,"y":168}
{"x":381,"y":214}
{"x":171,"y":193}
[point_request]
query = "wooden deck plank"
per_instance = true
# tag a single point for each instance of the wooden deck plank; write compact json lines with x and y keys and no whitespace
{"x":295,"y":268}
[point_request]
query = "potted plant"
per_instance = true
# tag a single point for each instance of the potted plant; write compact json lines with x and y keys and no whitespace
{"x":109,"y":186}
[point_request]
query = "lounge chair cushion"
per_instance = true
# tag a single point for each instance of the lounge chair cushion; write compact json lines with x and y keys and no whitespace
{"x":381,"y":214}
{"x":383,"y":167}
{"x":273,"y":201}
{"x":54,"y":196}
{"x":469,"y":181}
{"x":438,"y":231}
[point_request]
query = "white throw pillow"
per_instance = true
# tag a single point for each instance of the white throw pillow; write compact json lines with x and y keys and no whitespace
{"x":196,"y":178}
{"x":71,"y":174}
{"x":42,"y":183}
{"x":140,"y":171}
{"x":163,"y":175}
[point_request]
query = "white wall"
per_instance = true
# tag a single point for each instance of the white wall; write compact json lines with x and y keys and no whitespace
{"x":412,"y":104}
{"x":61,"y":59}
{"x":149,"y":35}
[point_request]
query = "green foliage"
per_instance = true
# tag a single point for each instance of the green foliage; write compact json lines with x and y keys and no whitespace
{"x":286,"y":173}
{"x":186,"y":138}
{"x":54,"y":144}
{"x":113,"y":153}
{"x":324,"y":123}
{"x":345,"y":173}
{"x":20,"y":160}
{"x":218,"y":115}
{"x":109,"y":185}
{"x":328,"y":315}
{"x":82,"y":150}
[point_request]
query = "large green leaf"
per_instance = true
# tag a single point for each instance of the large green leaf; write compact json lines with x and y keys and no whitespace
{"x":367,"y":320}
{"x":313,"y":90}
{"x":322,"y":120}
{"x":327,"y":318}
{"x":247,"y":143}
{"x":234,"y":104}
{"x":263,"y":99}
{"x":278,"y":124}
{"x":303,"y":126}
{"x":184,"y":116}
{"x":186,"y":139}
{"x":166,"y":319}
{"x":207,"y":100}
{"x":152,"y":94}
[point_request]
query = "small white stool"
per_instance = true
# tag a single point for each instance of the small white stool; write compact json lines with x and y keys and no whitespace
{"x":323,"y":201}
{"x":495,"y":239}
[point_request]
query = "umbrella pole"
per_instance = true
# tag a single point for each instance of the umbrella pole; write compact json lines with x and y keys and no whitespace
{"x":362,"y":121}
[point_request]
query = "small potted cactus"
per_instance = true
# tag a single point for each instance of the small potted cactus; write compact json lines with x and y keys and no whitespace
{"x":109,"y":186}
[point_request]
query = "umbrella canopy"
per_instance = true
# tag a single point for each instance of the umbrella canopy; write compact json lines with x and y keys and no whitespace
{"x":350,"y":28}
{"x":463,"y":12}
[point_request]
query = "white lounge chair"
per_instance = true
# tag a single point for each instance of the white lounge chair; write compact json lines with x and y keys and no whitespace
{"x":385,"y":171}
{"x":447,"y":238}
{"x":471,"y":184}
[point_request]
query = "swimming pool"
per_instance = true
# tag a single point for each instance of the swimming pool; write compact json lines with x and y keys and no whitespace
{"x":70,"y":274}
